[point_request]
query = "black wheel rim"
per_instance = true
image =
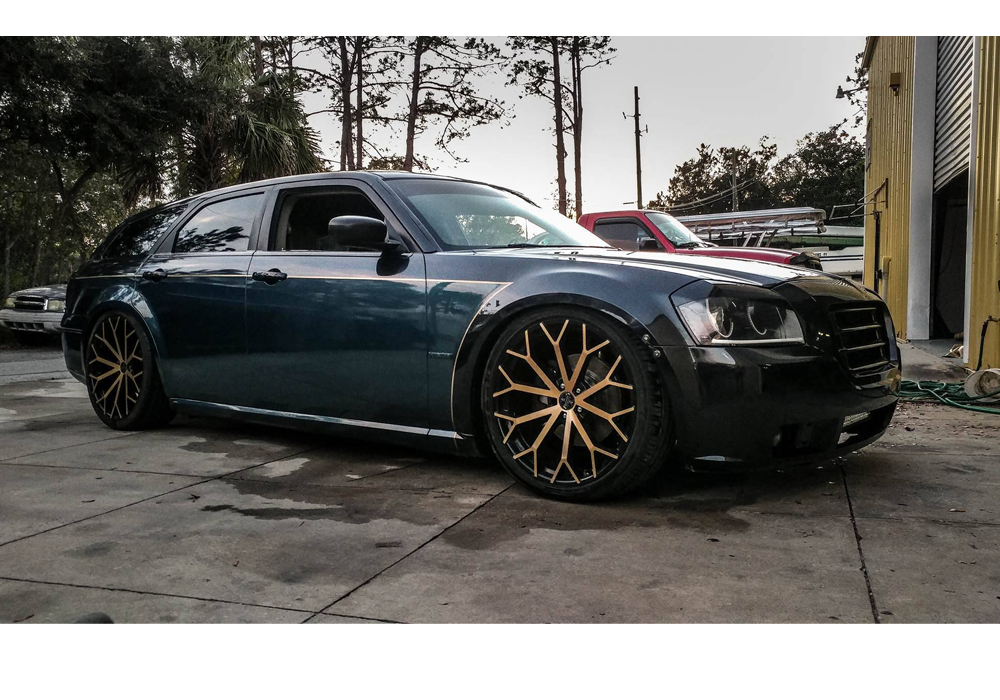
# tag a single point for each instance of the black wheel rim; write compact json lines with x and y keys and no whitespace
{"x":564,"y":402}
{"x":115,"y":367}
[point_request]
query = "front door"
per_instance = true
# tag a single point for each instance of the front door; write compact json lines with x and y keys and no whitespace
{"x":626,"y":233}
{"x":332,"y":332}
{"x":194,"y":287}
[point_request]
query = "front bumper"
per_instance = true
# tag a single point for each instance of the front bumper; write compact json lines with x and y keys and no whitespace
{"x":31,"y":321}
{"x":744,"y":408}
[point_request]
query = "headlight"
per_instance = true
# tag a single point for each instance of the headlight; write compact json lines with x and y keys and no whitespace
{"x":737,"y":316}
{"x":8,"y":303}
{"x":55,"y":305}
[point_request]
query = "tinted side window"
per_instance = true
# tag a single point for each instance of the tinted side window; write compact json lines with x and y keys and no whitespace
{"x":221,"y":227}
{"x":302,"y":217}
{"x":139,"y":236}
{"x":621,"y":234}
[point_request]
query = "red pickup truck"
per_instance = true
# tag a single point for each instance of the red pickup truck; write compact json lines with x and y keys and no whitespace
{"x":643,"y":229}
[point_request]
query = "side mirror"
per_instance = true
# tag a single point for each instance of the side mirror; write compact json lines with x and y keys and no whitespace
{"x":362,"y":232}
{"x":647,"y":243}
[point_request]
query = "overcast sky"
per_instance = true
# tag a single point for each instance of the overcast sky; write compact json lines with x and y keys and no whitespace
{"x":719,"y":91}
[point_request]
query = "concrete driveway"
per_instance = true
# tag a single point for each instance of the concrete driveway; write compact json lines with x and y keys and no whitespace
{"x":209,"y":521}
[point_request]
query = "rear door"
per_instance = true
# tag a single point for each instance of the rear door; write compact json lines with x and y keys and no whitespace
{"x":334,"y":332}
{"x":195,"y":287}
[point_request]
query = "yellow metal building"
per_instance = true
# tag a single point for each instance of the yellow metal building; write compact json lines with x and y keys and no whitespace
{"x":932,"y":224}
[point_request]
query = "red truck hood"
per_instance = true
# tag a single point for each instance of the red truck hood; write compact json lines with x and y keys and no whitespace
{"x":772,"y":255}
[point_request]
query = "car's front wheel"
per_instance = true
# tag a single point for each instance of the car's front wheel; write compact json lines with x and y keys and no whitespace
{"x":122,"y":379}
{"x":574,"y":406}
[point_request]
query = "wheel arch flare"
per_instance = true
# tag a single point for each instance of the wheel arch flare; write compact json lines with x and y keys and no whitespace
{"x":637,"y":303}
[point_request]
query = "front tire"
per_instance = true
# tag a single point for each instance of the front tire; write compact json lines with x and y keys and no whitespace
{"x":122,"y":378}
{"x":574,"y":406}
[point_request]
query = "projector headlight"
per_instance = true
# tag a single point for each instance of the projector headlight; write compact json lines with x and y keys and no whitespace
{"x":732,"y":315}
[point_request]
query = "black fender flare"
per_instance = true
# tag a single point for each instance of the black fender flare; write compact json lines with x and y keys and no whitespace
{"x":485,"y":328}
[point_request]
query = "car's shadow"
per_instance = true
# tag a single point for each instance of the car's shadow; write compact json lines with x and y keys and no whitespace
{"x":797,"y":490}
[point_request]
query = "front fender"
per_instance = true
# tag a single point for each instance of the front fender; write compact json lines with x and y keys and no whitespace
{"x":644,"y":309}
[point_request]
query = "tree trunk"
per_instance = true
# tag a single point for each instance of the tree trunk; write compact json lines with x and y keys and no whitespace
{"x":560,"y":136}
{"x":411,"y":120}
{"x":577,"y":130}
{"x":8,"y":244}
{"x":258,"y":57}
{"x":359,"y":51}
{"x":346,"y":74}
{"x":39,"y":242}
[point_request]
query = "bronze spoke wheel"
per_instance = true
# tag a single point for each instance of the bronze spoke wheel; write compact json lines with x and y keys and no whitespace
{"x":121,"y":378}
{"x":564,"y":400}
{"x":114,"y":369}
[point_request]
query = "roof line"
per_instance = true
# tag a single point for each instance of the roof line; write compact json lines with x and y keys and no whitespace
{"x":869,"y":53}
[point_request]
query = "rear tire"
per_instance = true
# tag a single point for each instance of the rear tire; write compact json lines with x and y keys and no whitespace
{"x":576,"y":433}
{"x":123,"y":382}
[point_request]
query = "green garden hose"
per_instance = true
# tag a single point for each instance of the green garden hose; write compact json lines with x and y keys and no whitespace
{"x":950,"y":393}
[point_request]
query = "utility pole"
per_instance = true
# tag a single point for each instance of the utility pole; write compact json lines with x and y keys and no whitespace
{"x":638,"y":150}
{"x":736,"y":203}
{"x":638,"y":155}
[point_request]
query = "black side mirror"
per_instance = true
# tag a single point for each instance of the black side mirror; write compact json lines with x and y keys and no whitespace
{"x":647,"y":243}
{"x":362,"y":232}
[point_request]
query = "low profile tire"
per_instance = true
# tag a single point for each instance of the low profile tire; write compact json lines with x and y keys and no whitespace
{"x":122,"y":378}
{"x":574,"y":406}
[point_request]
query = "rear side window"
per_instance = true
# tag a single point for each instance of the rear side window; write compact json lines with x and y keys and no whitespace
{"x":138,"y":237}
{"x":621,"y":234}
{"x":221,"y":227}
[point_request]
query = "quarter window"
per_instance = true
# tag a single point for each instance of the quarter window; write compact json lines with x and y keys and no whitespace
{"x":221,"y":227}
{"x":139,"y":236}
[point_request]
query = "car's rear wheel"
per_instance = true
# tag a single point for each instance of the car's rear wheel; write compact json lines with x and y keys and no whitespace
{"x":574,"y":406}
{"x":122,"y":379}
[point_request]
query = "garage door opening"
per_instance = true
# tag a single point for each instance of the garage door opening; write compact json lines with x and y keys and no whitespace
{"x":949,"y":235}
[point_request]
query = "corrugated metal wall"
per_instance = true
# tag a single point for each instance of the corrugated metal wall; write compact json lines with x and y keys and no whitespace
{"x":890,"y":117}
{"x":985,"y":299}
{"x":953,"y":108}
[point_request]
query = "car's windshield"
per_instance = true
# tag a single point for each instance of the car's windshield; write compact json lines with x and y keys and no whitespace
{"x":465,"y":215}
{"x":676,"y":232}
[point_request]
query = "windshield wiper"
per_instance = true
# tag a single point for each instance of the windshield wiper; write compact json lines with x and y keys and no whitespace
{"x":689,"y":244}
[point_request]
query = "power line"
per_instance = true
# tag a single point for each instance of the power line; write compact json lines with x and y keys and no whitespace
{"x":731,"y":190}
{"x":711,"y":199}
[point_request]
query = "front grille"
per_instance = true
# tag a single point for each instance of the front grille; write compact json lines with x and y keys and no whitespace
{"x":861,"y":332}
{"x":26,"y":302}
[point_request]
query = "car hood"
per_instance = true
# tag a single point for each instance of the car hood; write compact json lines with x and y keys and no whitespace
{"x":722,"y":269}
{"x":55,"y":291}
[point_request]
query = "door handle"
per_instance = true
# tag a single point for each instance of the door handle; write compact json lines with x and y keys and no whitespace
{"x":272,"y":276}
{"x":156,"y":275}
